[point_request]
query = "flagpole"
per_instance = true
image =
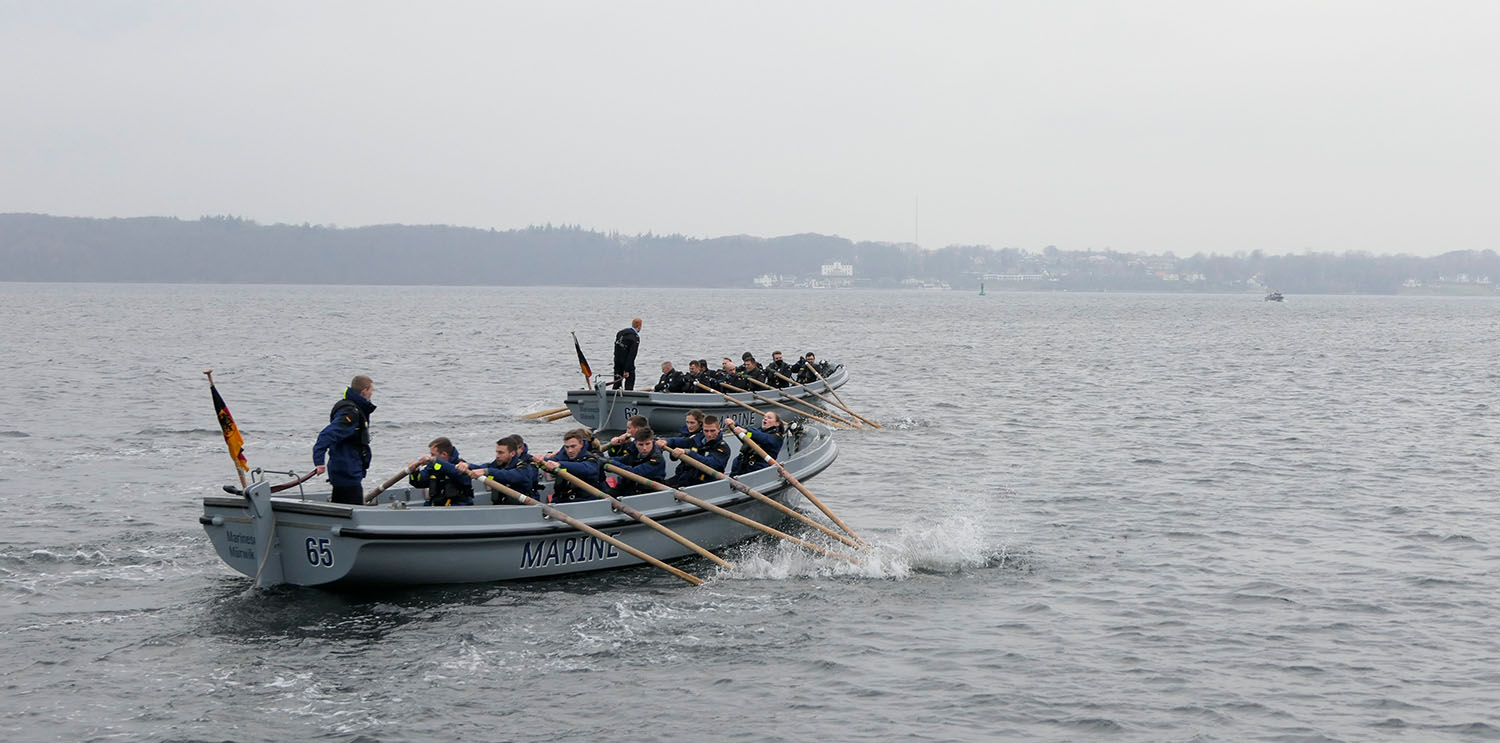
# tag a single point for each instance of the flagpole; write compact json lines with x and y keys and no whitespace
{"x":231,"y":431}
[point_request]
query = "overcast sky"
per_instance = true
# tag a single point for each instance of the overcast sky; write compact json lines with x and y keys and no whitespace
{"x":1139,"y":126}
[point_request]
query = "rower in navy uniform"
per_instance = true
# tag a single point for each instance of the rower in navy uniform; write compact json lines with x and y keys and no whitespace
{"x":577,"y":458}
{"x":644,"y":459}
{"x":438,"y":471}
{"x":768,"y":436}
{"x":778,"y":367}
{"x":710,"y":449}
{"x":620,"y":445}
{"x":752,"y":370}
{"x":512,"y":468}
{"x":710,"y":378}
{"x":671,"y":379}
{"x":804,"y":369}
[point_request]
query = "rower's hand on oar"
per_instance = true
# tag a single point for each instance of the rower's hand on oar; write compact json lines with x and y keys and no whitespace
{"x":320,"y":469}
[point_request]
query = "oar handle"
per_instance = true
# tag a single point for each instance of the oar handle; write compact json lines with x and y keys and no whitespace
{"x":373,"y":494}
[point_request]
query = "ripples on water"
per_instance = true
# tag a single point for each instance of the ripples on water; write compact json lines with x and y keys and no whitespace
{"x":1123,"y":516}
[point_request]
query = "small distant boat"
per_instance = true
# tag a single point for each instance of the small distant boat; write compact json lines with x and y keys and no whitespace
{"x":1274,"y":297}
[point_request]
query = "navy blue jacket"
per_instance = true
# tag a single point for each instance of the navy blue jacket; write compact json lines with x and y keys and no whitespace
{"x":686,"y":440}
{"x":748,"y":460}
{"x":586,"y":468}
{"x":713,"y":453}
{"x":652,"y":466}
{"x":519,"y":474}
{"x":446,"y":486}
{"x":627,"y":342}
{"x":345,"y":441}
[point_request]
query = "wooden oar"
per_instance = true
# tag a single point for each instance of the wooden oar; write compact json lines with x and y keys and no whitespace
{"x":750,"y":442}
{"x":824,"y":398}
{"x":851,"y":423}
{"x":762,"y":497}
{"x":293,"y":483}
{"x":557,"y":416}
{"x":589,"y":530}
{"x":545,"y":413}
{"x":835,"y":392}
{"x":705,"y":505}
{"x":746,"y":406}
{"x":373,"y":494}
{"x":638,"y":516}
{"x":789,"y":408}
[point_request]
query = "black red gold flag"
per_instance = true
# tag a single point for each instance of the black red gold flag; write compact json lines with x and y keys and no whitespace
{"x":232,"y":438}
{"x":583,"y":363}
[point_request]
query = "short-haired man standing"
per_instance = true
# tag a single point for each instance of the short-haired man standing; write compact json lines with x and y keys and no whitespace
{"x":345,"y":442}
{"x":627,"y":342}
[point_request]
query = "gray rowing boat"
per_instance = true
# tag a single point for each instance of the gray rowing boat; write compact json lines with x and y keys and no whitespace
{"x":308,"y":541}
{"x":605,"y":409}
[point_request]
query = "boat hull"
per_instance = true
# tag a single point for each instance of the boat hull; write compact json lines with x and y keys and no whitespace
{"x":607,"y":410}
{"x":398,"y":541}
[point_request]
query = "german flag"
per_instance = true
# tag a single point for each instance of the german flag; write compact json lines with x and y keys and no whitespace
{"x":583,"y":363}
{"x":232,"y":438}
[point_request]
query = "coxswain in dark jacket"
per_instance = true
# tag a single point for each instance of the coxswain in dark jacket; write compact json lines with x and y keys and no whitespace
{"x":345,"y":441}
{"x":768,"y":436}
{"x":627,"y":342}
{"x":650,"y":464}
{"x":710,"y":449}
{"x":578,"y":459}
{"x":513,"y":468}
{"x":439,"y":473}
{"x":671,"y":379}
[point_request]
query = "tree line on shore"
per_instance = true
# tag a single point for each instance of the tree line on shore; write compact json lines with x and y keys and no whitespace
{"x":228,"y":249}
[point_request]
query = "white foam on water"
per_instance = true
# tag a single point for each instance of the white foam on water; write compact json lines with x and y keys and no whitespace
{"x":950,"y":544}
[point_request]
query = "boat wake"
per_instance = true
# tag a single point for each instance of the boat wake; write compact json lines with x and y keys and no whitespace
{"x":949,"y":546}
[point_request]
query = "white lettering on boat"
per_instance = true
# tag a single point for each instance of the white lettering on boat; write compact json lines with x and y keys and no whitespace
{"x":542,"y":553}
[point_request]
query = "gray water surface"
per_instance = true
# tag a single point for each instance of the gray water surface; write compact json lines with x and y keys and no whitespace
{"x":1128,"y":517}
